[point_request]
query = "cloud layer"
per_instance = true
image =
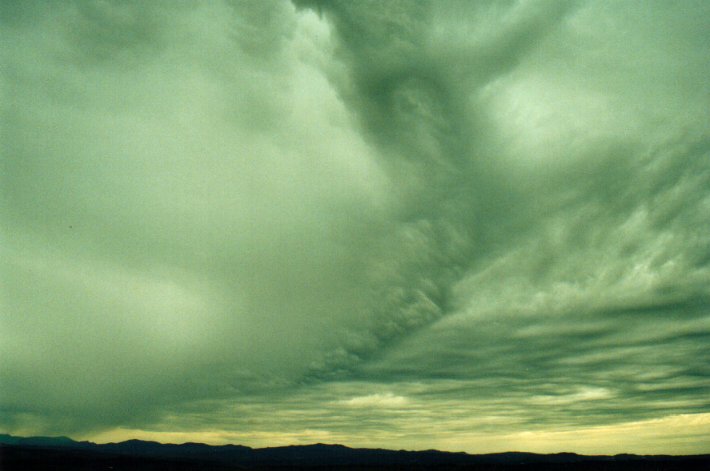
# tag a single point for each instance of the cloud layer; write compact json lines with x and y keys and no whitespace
{"x":354,"y":221}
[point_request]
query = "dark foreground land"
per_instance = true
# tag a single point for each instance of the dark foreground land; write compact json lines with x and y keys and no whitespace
{"x":61,"y":454}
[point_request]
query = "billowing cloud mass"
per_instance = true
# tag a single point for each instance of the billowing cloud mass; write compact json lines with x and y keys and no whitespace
{"x":473,"y":226}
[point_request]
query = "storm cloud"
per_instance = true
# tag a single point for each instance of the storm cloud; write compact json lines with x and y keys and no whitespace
{"x":270,"y":223}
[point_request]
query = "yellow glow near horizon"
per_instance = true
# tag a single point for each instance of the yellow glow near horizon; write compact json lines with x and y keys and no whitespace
{"x":674,"y":435}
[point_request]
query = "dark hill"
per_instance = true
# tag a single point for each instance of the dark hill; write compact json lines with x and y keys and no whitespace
{"x":62,"y":453}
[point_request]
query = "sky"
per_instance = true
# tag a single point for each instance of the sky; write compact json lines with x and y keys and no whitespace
{"x":472,"y":226}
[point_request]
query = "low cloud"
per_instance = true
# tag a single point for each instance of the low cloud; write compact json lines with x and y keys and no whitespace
{"x":386,"y":400}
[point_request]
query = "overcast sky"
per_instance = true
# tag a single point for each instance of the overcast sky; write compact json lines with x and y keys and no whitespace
{"x":477,"y":226}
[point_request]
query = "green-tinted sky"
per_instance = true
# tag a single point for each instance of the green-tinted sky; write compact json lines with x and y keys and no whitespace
{"x":475,"y":226}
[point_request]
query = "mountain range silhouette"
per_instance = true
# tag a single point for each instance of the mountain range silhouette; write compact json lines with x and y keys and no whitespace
{"x":63,"y":453}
